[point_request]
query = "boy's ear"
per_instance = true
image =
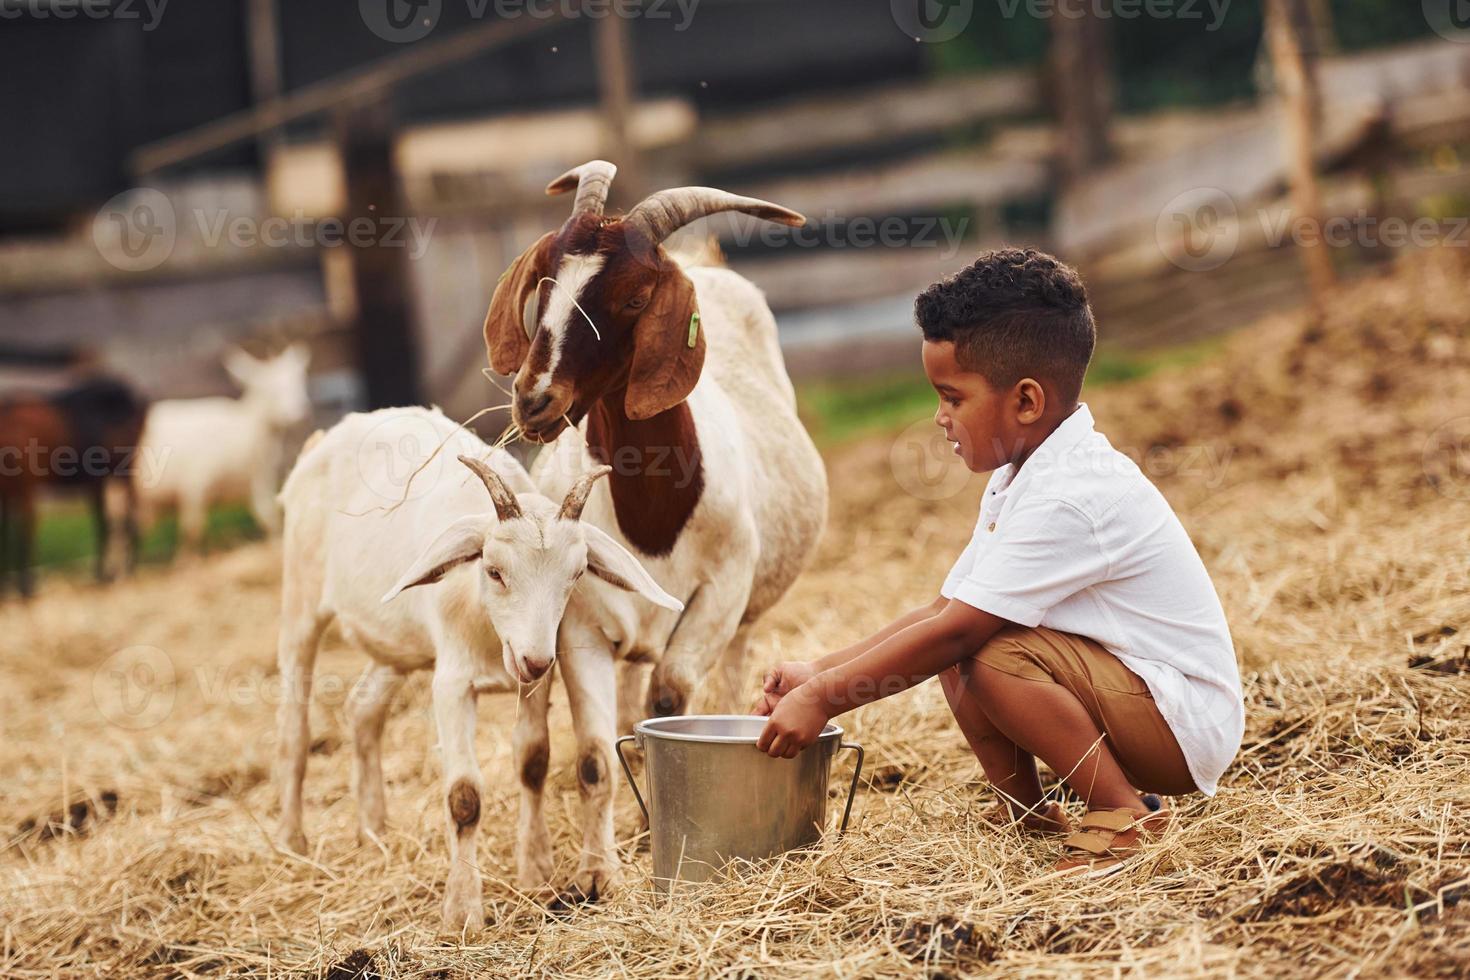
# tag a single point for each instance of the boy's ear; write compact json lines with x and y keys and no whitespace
{"x":1031,"y":400}
{"x":668,"y":347}
{"x":507,"y":335}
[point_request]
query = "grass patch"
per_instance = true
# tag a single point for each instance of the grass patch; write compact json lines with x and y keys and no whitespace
{"x":66,"y":537}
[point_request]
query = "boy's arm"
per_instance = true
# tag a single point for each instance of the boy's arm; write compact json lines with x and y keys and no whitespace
{"x":905,"y":658}
{"x":784,"y":678}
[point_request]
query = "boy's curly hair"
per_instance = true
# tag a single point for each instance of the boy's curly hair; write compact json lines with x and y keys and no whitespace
{"x":1014,"y":313}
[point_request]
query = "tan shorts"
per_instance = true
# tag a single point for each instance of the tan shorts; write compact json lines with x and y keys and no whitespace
{"x":1116,"y":698}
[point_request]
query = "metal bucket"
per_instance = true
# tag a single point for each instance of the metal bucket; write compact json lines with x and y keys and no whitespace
{"x":713,"y":797}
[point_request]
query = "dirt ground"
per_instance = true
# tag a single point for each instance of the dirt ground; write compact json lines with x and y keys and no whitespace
{"x":1323,"y":470}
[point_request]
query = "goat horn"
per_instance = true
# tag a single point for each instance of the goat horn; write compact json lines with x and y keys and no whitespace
{"x":571,"y":508}
{"x":592,"y":180}
{"x":507,"y":506}
{"x":660,"y":215}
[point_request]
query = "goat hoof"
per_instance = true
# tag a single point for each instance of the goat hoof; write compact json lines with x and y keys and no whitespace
{"x":293,"y":841}
{"x":466,"y":918}
{"x":588,"y":888}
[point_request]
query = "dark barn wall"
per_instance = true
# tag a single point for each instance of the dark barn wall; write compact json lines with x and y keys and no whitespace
{"x":83,"y":93}
{"x":743,"y":49}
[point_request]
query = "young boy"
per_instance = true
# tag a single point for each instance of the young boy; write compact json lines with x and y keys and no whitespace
{"x":1079,"y":626}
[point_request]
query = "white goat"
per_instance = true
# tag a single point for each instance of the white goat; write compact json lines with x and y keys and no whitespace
{"x":675,"y":378}
{"x":357,"y":522}
{"x":198,"y":452}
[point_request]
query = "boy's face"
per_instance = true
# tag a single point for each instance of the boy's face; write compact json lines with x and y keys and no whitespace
{"x":974,"y":416}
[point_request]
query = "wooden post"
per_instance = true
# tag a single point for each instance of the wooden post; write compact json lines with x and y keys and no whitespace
{"x":263,"y":36}
{"x":1082,"y":87}
{"x":616,"y":90}
{"x":1296,"y":87}
{"x":387,"y":352}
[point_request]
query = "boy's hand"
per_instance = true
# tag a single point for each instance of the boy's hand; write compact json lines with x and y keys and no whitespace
{"x":795,"y":723}
{"x":781,"y":681}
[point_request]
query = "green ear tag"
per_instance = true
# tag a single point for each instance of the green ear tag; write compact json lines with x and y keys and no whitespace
{"x":693,"y":327}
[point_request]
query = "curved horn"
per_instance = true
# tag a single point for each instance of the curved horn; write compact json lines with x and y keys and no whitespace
{"x":592,"y":180}
{"x":507,"y":506}
{"x":660,"y":215}
{"x":571,"y":508}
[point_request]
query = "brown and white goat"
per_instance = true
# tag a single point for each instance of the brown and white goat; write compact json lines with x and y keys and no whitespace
{"x":674,"y":378}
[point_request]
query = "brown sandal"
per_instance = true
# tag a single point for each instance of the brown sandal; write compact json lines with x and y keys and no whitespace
{"x":1107,"y":840}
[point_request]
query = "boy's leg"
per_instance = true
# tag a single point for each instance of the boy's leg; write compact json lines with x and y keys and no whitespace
{"x":1069,"y":702}
{"x":1010,"y":768}
{"x":1050,"y":722}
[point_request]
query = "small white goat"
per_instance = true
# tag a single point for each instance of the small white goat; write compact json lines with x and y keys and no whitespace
{"x":357,"y":521}
{"x":203,"y":451}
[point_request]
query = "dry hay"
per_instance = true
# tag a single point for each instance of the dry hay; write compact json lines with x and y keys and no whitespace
{"x":1335,"y":530}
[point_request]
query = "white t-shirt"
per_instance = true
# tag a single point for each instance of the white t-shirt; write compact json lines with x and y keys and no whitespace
{"x":1079,"y":540}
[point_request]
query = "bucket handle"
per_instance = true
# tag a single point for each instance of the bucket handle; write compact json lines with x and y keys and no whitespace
{"x":629,"y":772}
{"x":852,"y":789}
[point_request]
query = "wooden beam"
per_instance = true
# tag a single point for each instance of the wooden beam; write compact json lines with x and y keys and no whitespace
{"x":353,"y":86}
{"x":889,"y":113}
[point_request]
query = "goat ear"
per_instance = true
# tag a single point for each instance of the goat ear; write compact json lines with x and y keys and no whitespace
{"x":462,"y":541}
{"x":613,"y":563}
{"x":241,"y":366}
{"x":299,"y":354}
{"x":668,"y":348}
{"x":507,"y":339}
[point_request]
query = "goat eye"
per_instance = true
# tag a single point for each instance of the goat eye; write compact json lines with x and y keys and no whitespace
{"x":637,"y":302}
{"x":495,"y":575}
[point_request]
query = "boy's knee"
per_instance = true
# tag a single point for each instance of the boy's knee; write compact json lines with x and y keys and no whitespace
{"x":1008,"y":656}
